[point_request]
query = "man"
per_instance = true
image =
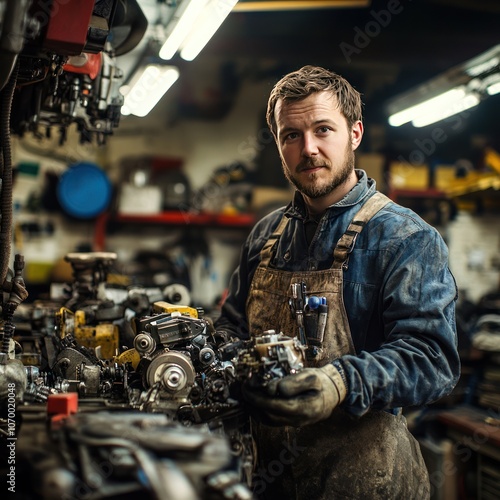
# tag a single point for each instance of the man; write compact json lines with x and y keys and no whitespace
{"x":335,"y":429}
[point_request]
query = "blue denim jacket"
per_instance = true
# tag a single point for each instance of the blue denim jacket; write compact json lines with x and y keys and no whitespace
{"x":399,"y":297}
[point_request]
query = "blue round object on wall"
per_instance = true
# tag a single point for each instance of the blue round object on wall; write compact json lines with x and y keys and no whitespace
{"x":84,"y":190}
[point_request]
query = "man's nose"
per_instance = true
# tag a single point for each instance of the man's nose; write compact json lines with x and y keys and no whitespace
{"x":309,"y":145}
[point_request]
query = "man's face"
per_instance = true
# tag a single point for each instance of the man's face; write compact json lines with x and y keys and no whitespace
{"x":316,"y":145}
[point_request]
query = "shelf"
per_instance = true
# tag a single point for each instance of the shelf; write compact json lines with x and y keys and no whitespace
{"x":394,"y":194}
{"x":171,"y":218}
{"x":474,"y":422}
{"x":179,"y":218}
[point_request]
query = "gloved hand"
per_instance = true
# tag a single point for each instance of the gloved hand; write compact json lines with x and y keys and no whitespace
{"x":301,"y":399}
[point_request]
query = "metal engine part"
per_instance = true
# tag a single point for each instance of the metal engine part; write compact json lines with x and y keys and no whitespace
{"x":173,"y":371}
{"x":180,"y":367}
{"x":63,"y":55}
{"x":128,"y":454}
{"x":90,"y":270}
{"x":103,"y":335}
{"x":273,"y":355}
{"x":78,"y":369}
{"x":177,"y":431}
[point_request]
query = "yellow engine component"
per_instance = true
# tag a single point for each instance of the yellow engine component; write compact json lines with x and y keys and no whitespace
{"x":129,"y":356}
{"x":165,"y":307}
{"x":105,"y":336}
{"x":65,"y":322}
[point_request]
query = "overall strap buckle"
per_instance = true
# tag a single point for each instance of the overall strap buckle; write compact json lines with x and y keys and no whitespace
{"x":346,"y":243}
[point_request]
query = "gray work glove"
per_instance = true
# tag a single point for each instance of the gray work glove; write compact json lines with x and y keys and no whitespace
{"x":296,"y":400}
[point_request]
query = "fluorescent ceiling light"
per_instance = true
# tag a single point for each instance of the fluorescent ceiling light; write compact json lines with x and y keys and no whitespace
{"x":193,"y":25}
{"x":458,"y":89}
{"x":483,"y":67}
{"x":208,"y":23}
{"x":493,"y":89}
{"x":441,"y":112}
{"x":280,"y":5}
{"x":492,"y":84}
{"x":182,"y":23}
{"x":484,"y":62}
{"x":442,"y":101}
{"x":146,"y":88}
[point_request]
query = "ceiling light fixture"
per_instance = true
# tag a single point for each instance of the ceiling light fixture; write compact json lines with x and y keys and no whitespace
{"x":180,"y":26}
{"x":279,"y":5}
{"x":467,"y":101}
{"x":193,"y":25}
{"x":453,"y":92}
{"x":494,"y":88}
{"x":214,"y":15}
{"x":492,"y":84}
{"x":147,"y":87}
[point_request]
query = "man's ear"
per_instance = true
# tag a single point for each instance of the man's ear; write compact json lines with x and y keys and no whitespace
{"x":356,"y":134}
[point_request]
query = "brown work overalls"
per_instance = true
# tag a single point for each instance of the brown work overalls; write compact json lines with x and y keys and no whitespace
{"x":342,"y":457}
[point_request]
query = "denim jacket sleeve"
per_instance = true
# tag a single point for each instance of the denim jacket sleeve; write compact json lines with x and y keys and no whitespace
{"x":418,"y":361}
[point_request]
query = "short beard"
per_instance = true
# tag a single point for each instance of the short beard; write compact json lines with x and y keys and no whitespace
{"x":340,"y":177}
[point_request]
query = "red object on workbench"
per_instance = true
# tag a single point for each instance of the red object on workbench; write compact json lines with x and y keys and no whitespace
{"x":62,"y":404}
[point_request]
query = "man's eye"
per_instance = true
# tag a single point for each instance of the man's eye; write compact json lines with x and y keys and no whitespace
{"x":324,"y":130}
{"x":291,"y":136}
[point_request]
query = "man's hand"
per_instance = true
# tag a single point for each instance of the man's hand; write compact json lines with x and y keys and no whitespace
{"x":297,"y":400}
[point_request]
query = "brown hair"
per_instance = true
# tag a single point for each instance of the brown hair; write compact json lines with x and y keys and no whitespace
{"x":309,"y":79}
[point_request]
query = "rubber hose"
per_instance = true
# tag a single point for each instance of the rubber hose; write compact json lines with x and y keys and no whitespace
{"x":8,"y":333}
{"x":7,"y":96}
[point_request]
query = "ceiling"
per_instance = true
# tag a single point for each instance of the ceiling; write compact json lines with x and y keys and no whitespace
{"x":382,"y":54}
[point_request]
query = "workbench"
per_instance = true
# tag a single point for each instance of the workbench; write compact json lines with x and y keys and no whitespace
{"x":475,"y":452}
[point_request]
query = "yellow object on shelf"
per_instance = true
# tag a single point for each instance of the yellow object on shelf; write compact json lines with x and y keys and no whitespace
{"x":472,"y":183}
{"x":444,"y":175}
{"x":38,"y":272}
{"x":492,"y":158}
{"x":408,"y":176}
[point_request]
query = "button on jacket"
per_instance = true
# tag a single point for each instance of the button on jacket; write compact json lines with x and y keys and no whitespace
{"x":398,"y":290}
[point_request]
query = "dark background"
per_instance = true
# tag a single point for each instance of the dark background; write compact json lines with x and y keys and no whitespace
{"x":421,"y":39}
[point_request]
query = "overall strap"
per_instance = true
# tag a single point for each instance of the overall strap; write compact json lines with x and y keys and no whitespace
{"x":346,"y":243}
{"x":266,"y":252}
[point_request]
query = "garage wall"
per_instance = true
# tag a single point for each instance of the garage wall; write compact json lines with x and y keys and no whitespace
{"x":203,"y":145}
{"x":474,"y":243}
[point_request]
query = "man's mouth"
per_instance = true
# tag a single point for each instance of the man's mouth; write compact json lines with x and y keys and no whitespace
{"x":309,"y":167}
